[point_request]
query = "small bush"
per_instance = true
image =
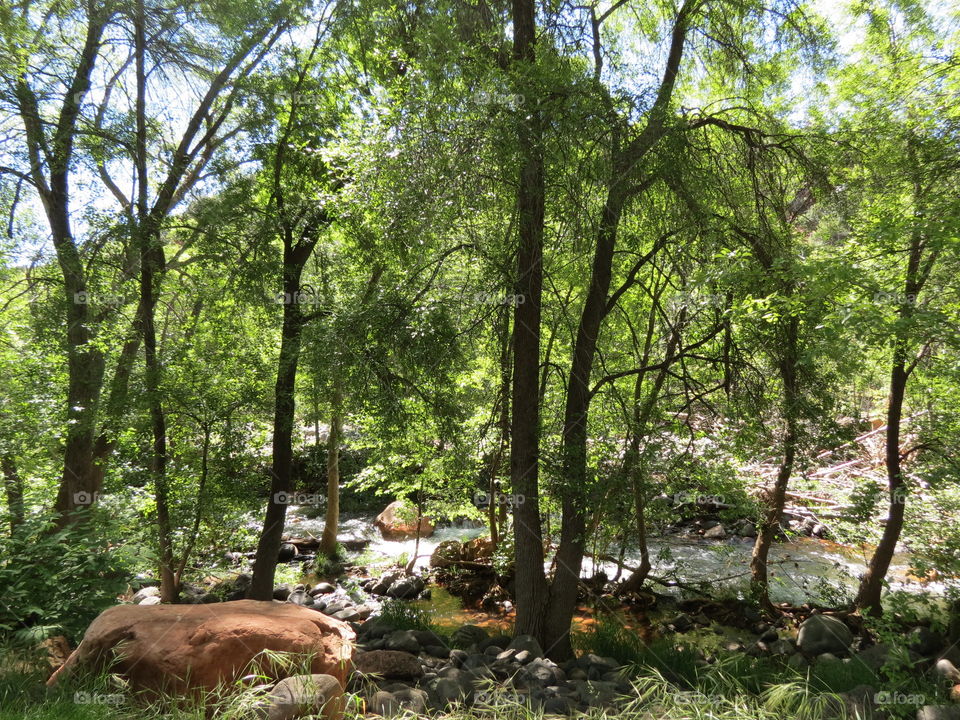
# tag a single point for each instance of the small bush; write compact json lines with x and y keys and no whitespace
{"x":609,"y":638}
{"x":403,"y":616}
{"x":58,"y":580}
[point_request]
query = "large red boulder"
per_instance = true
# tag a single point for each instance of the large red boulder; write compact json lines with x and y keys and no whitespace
{"x":399,"y":522}
{"x":176,"y":648}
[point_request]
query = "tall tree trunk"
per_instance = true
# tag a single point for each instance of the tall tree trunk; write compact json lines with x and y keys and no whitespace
{"x":281,"y":484}
{"x":13,"y":488}
{"x":85,"y":361}
{"x":771,"y":521}
{"x":569,"y":557}
{"x":328,"y":541}
{"x":530,"y":584}
{"x":152,"y":265}
{"x":79,"y":484}
{"x":920,"y":262}
{"x":871,"y":585}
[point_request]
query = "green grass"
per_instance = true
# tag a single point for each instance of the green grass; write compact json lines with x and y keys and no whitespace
{"x":401,"y":615}
{"x":609,"y":638}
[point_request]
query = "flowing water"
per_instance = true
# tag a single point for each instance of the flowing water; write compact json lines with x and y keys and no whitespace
{"x":801,"y":570}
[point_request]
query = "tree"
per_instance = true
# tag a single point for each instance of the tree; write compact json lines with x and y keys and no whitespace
{"x":909,"y":212}
{"x":299,"y":211}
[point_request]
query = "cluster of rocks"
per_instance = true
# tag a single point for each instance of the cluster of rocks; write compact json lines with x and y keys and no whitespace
{"x":328,"y":599}
{"x":417,"y":671}
{"x":713,"y":529}
{"x":452,"y":553}
{"x":398,"y":585}
{"x":331,"y":600}
{"x":808,"y":526}
{"x":828,"y":639}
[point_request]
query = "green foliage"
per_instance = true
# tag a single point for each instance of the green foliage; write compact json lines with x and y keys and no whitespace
{"x":59,"y":579}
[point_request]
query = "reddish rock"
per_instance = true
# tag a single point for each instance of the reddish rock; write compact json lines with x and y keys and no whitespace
{"x":478,"y":549}
{"x":955,"y":694}
{"x":446,"y":553}
{"x":392,"y":664}
{"x":399,"y":522}
{"x":175,"y":648}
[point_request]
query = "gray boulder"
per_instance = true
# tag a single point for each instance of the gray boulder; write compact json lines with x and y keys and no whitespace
{"x":322,"y":589}
{"x":467,"y":635}
{"x":287,"y":552}
{"x":300,"y":695}
{"x":388,"y":664}
{"x":407,"y":700}
{"x":403,"y":640}
{"x":874,"y":657}
{"x":406,"y":588}
{"x":925,"y":642}
{"x":947,"y":670}
{"x":824,"y":634}
{"x":939,"y":712}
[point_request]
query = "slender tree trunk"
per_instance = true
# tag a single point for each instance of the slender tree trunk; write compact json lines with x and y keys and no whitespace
{"x":919,"y":266}
{"x":642,"y":412}
{"x":412,"y":563}
{"x":328,"y":542}
{"x":871,"y":585}
{"x":530,"y":584}
{"x":116,"y":404}
{"x":13,"y":488}
{"x":620,"y":187}
{"x":569,"y":557}
{"x":771,"y":521}
{"x":152,"y":265}
{"x":496,"y":510}
{"x":198,"y":510}
{"x":281,"y":484}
